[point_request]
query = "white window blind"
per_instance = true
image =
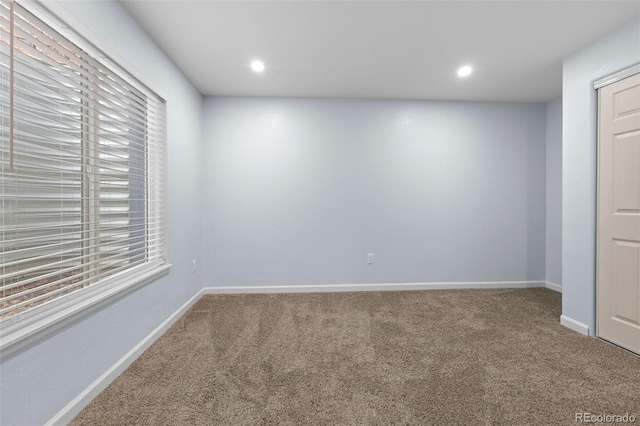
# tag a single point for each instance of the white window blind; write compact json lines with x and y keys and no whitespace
{"x":82,"y":166}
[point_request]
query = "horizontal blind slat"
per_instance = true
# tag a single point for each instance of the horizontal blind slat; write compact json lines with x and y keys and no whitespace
{"x":85,"y":199}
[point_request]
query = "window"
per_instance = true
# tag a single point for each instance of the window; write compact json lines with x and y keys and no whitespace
{"x":81,"y":172}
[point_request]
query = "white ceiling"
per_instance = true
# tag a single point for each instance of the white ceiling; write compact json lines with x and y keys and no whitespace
{"x":378,"y":49}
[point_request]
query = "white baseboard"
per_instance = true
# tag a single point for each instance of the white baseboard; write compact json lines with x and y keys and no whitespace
{"x":574,"y":325}
{"x":324,"y":288}
{"x":78,"y":403}
{"x":553,"y":286}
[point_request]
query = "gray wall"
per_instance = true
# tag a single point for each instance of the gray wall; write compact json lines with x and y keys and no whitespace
{"x":613,"y":52}
{"x":40,"y":380}
{"x":298,"y":191}
{"x":554,"y":192}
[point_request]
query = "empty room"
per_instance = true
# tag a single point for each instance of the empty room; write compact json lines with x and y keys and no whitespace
{"x":319,"y":212}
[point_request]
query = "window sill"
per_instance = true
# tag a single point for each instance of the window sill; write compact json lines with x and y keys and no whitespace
{"x":22,"y":329}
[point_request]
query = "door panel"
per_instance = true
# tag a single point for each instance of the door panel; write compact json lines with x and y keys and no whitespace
{"x":618,"y":283}
{"x":626,"y":259}
{"x":626,"y":150}
{"x":625,"y":101}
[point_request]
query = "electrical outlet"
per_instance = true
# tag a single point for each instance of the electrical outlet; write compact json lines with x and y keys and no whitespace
{"x":193,"y":266}
{"x":370,"y":258}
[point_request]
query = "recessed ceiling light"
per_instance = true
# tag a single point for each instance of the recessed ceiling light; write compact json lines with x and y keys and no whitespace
{"x":465,"y":71}
{"x":257,"y":66}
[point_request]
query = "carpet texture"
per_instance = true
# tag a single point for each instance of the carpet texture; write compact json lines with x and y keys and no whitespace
{"x":465,"y":357}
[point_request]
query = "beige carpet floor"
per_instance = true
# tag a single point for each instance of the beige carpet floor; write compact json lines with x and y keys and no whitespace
{"x":464,"y":357}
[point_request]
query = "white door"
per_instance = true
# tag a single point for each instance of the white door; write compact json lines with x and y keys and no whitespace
{"x":618,"y":284}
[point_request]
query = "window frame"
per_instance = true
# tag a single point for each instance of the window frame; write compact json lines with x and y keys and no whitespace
{"x":23,"y":328}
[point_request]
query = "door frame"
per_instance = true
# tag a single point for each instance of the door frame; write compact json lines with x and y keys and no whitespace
{"x":617,"y":76}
